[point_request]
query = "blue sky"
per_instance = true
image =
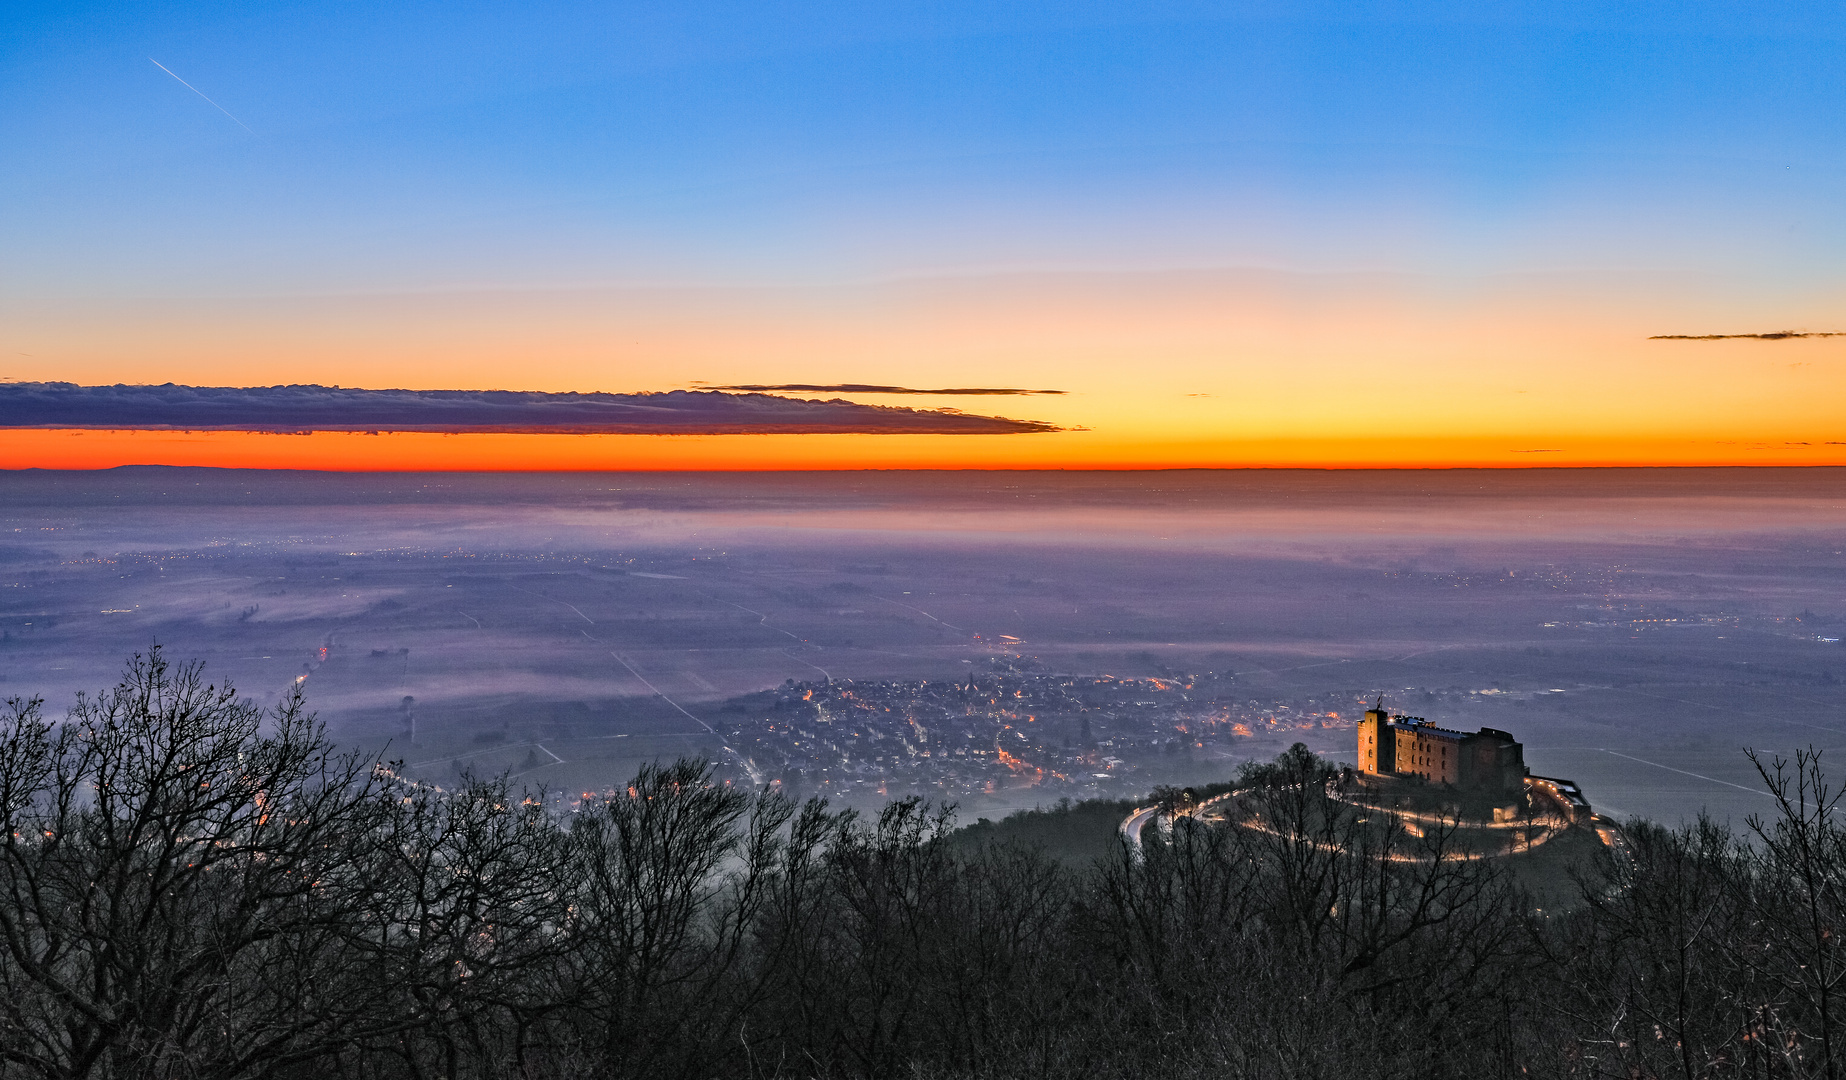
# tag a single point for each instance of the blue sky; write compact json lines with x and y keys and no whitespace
{"x":413,"y":146}
{"x":1234,"y":232}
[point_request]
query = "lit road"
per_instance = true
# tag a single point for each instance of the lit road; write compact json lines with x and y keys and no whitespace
{"x":1137,"y":821}
{"x":748,"y":765}
{"x":1131,"y":829}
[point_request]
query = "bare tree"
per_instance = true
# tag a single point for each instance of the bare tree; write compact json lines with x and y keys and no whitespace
{"x":175,"y":863}
{"x":666,"y":882}
{"x":1802,"y":909}
{"x":467,"y":925}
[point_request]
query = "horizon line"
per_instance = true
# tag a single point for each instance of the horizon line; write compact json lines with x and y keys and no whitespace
{"x":12,"y":470}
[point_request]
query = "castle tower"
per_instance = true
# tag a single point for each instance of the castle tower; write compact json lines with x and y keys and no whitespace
{"x":1377,"y":743}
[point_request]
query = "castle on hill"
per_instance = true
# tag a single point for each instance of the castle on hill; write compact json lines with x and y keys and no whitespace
{"x":1489,"y":762}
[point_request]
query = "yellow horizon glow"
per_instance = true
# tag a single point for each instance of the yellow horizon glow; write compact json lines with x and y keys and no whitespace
{"x":1169,"y":369}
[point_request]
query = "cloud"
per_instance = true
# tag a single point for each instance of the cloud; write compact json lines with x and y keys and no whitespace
{"x":334,"y":408}
{"x":867,"y":388}
{"x":1774,"y":335}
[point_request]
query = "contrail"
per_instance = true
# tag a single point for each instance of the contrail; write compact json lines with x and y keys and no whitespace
{"x":195,"y":90}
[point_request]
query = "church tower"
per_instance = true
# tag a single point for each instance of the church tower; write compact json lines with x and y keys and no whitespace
{"x":1377,"y":742}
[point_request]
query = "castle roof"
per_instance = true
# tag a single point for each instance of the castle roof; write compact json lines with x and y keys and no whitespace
{"x":1424,"y":727}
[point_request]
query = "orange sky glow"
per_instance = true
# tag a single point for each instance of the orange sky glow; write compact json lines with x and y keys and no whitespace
{"x":1237,"y":236}
{"x":418,"y":452}
{"x":1192,"y":369}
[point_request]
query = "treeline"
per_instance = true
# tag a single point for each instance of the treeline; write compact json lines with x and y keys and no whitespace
{"x":195,"y":888}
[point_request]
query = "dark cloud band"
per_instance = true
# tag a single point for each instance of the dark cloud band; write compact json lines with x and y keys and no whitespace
{"x":868,"y":388}
{"x":1774,"y":335}
{"x":334,"y":408}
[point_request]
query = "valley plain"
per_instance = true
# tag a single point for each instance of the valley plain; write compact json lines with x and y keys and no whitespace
{"x":997,"y":640}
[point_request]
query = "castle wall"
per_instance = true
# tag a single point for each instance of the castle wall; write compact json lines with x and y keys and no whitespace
{"x":1433,"y":755}
{"x":1489,"y":761}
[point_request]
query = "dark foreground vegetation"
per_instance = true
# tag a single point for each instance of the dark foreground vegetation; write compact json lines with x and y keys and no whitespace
{"x":193,"y":888}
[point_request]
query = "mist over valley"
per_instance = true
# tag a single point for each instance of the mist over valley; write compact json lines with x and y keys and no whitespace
{"x":995,"y":640}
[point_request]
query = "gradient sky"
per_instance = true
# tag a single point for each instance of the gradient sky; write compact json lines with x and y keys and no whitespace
{"x":1258,"y":233}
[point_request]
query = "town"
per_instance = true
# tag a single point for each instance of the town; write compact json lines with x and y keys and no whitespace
{"x":1081,"y":736}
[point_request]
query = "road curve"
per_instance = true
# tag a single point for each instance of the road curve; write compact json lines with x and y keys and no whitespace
{"x":1131,"y":829}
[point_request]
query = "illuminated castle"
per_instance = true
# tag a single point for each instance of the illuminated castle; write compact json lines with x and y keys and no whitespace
{"x":1490,"y":762}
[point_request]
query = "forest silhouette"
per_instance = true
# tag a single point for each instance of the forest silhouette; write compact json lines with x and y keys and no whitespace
{"x":194,"y":887}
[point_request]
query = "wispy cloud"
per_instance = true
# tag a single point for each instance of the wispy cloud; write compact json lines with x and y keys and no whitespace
{"x":1773,"y":335}
{"x":334,"y":408}
{"x":869,"y":388}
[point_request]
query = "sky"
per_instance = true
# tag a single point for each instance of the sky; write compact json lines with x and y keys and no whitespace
{"x":1339,"y":234}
